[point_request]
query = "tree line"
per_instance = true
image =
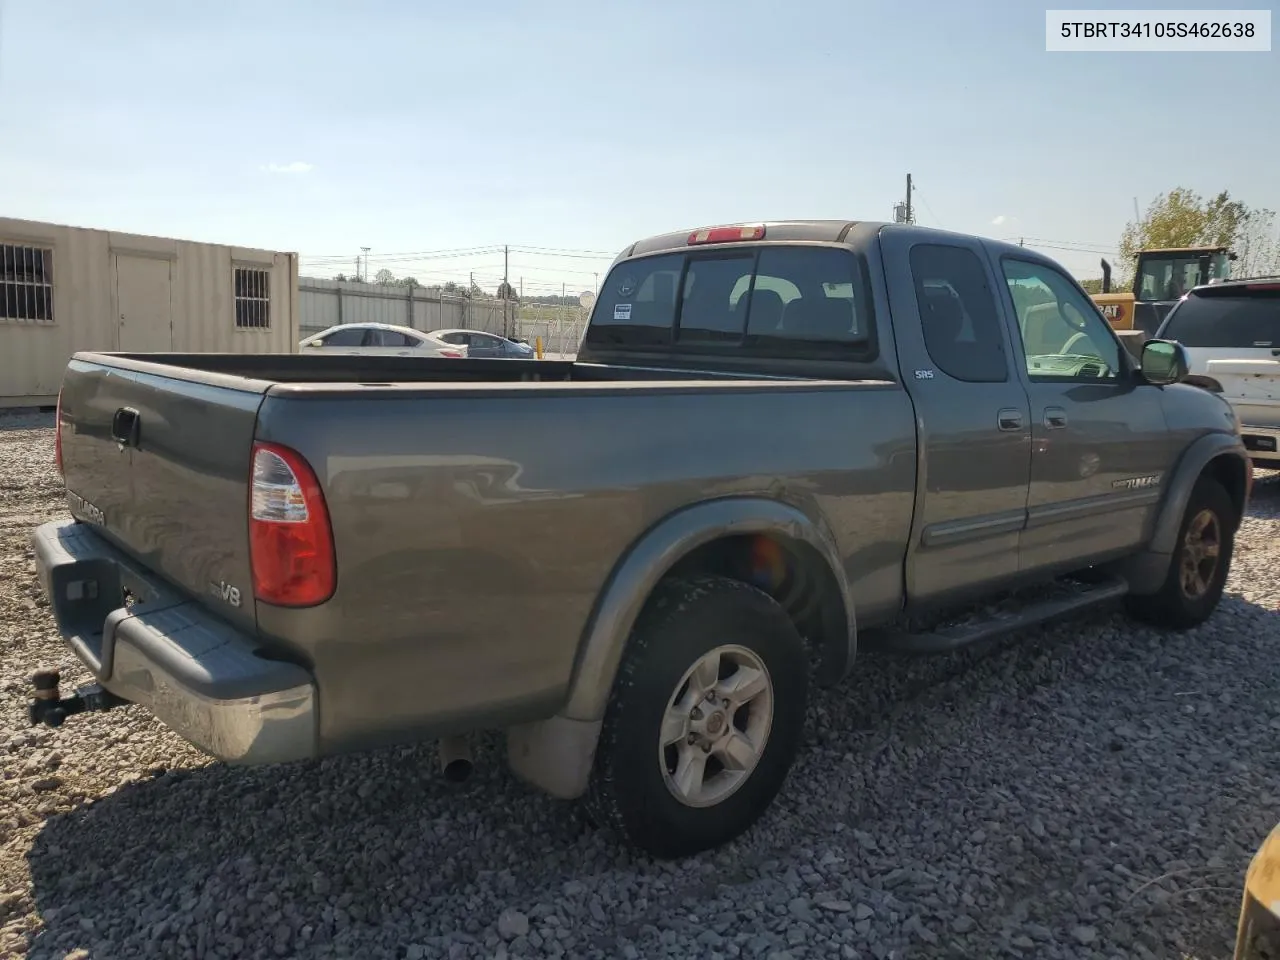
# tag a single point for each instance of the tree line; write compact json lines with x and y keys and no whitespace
{"x":1183,"y":218}
{"x":504,"y":291}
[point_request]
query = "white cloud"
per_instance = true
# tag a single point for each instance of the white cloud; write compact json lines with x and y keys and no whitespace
{"x":296,"y":167}
{"x":998,"y":221}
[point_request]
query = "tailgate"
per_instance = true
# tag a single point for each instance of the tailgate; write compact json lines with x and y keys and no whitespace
{"x":1252,"y":386}
{"x":160,"y":465}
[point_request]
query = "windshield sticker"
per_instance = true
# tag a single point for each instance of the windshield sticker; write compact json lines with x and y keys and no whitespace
{"x":622,"y":311}
{"x":628,"y":284}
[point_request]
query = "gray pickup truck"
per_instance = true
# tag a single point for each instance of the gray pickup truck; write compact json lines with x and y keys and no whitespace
{"x":778,"y":442}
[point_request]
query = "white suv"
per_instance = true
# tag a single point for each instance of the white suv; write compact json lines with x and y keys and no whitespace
{"x":1231,"y":332}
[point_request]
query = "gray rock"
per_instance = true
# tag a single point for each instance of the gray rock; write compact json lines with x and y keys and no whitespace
{"x":512,"y":923}
{"x":1084,"y":935}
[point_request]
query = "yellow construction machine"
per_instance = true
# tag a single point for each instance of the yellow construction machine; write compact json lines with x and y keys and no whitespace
{"x":1160,"y":278}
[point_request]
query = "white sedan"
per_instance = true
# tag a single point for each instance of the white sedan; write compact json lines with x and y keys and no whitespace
{"x":381,"y":340}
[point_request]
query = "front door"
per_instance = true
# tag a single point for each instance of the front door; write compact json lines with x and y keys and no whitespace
{"x":144,"y":301}
{"x":973,"y":419}
{"x":482,"y":346}
{"x":1100,"y":446}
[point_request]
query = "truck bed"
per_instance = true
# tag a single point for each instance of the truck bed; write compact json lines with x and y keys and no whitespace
{"x":472,"y":506}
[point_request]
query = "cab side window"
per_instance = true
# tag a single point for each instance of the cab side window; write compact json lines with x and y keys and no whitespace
{"x":1063,"y":335}
{"x":958,"y":313}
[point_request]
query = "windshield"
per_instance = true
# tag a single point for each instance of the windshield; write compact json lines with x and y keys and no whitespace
{"x":1167,"y":277}
{"x":1248,"y":319}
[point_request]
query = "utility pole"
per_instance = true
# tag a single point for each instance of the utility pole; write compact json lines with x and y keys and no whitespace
{"x":1020,"y":243}
{"x":364,"y":250}
{"x":902,"y":212}
{"x":471,"y":285}
{"x":506,"y":288}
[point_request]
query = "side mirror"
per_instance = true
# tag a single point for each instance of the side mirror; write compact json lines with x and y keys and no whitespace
{"x":1164,"y":361}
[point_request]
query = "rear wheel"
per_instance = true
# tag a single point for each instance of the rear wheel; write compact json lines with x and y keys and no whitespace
{"x":1200,"y":563}
{"x":704,"y":720}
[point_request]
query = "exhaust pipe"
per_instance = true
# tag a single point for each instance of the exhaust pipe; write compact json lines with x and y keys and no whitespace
{"x":455,"y":758}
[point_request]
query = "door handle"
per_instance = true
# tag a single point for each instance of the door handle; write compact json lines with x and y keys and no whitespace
{"x":126,"y":426}
{"x":1055,"y":418}
{"x":1010,"y":419}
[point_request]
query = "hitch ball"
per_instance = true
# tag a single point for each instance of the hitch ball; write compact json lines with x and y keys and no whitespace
{"x":45,"y":704}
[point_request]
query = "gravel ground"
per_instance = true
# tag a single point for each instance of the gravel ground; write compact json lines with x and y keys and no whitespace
{"x":1090,"y":790}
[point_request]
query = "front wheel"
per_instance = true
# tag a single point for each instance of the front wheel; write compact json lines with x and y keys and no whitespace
{"x":704,"y":720}
{"x":1200,"y":563}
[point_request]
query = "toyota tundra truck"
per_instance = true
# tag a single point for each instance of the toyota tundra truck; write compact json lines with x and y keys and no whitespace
{"x":779,"y":443}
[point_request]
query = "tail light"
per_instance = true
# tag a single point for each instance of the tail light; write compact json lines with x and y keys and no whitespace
{"x":456,"y":354}
{"x":57,"y":435}
{"x":290,"y":538}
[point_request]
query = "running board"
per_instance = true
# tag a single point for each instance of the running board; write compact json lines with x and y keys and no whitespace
{"x":951,"y":637}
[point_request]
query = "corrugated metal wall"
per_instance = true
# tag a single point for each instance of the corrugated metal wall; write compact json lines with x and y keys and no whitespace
{"x":323,"y":303}
{"x":33,"y":354}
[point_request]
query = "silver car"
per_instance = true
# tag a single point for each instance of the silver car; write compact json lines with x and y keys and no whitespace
{"x":485,"y":345}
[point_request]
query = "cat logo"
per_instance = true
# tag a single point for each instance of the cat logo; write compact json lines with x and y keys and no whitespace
{"x":1112,"y":311}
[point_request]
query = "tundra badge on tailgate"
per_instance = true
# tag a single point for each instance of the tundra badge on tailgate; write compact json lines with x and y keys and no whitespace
{"x":82,"y":509}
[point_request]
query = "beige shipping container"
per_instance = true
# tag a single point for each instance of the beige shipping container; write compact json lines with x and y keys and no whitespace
{"x":64,"y":289}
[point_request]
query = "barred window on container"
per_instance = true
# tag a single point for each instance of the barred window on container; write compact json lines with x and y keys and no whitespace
{"x":26,"y":283}
{"x":253,"y":298}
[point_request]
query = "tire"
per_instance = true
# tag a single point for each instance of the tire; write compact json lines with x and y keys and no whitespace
{"x":1179,"y":605}
{"x":634,"y":786}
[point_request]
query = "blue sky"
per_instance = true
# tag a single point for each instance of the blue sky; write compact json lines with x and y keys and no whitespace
{"x":322,"y":127}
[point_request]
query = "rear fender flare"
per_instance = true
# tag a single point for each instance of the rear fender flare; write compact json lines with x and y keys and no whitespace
{"x":655,"y":553}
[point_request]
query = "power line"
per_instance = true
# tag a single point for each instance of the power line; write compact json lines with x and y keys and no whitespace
{"x":461,"y":251}
{"x":1071,"y":243}
{"x":933,"y":216}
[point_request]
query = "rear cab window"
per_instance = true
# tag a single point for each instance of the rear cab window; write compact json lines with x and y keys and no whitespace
{"x":779,"y":300}
{"x":1247,"y":316}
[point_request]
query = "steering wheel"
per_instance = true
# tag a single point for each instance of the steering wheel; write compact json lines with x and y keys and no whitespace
{"x":1072,"y":340}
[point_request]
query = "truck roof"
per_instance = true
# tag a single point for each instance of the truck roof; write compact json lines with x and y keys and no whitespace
{"x":818,"y":231}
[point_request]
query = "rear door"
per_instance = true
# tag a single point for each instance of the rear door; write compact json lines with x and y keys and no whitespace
{"x":388,"y":343}
{"x":973,"y":418}
{"x":161,"y":466}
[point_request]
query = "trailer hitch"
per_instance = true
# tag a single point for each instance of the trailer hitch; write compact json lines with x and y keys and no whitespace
{"x":49,"y":707}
